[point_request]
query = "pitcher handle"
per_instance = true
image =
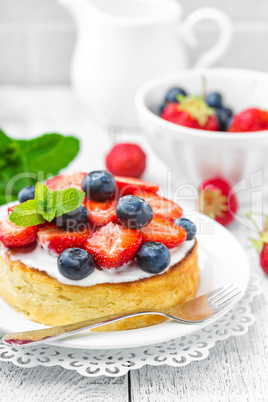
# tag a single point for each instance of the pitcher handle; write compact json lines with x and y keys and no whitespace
{"x":214,"y":54}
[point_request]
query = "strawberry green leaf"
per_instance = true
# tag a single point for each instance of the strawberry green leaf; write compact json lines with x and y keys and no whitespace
{"x":264,"y":237}
{"x":67,"y":200}
{"x":26,"y":214}
{"x":257,"y":244}
{"x":197,"y":108}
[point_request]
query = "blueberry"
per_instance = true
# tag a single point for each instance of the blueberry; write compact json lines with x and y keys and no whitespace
{"x":222,"y":117}
{"x":161,"y":109}
{"x":75,"y":263}
{"x":214,"y":99}
{"x":73,"y":221}
{"x":133,"y":212}
{"x":228,"y":111}
{"x":27,"y":193}
{"x":99,"y":185}
{"x":171,"y":95}
{"x":188,"y":225}
{"x":153,"y":257}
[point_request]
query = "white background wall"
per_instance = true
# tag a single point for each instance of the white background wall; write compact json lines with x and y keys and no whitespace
{"x":37,"y":38}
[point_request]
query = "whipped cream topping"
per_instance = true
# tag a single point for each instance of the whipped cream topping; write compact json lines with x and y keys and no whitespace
{"x":39,"y":258}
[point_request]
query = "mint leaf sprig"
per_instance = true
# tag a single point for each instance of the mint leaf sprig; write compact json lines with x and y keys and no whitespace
{"x":46,"y":205}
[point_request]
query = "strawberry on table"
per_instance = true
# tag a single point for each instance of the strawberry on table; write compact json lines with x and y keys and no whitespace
{"x":58,"y":240}
{"x":101,"y":212}
{"x":127,"y":185}
{"x":126,"y":159}
{"x":217,"y":200}
{"x":193,"y":112}
{"x":12,"y":235}
{"x":66,"y":181}
{"x":264,"y":258}
{"x":252,"y":119}
{"x":163,"y":231}
{"x":160,"y":205}
{"x":261,"y":244}
{"x":113,"y":245}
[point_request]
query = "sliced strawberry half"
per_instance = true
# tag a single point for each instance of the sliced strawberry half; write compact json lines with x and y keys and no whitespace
{"x":58,"y":240}
{"x":101,"y":212}
{"x":113,"y":245}
{"x":163,"y":231}
{"x":66,"y":181}
{"x":12,"y":235}
{"x":217,"y":200}
{"x":127,"y":185}
{"x":161,"y":206}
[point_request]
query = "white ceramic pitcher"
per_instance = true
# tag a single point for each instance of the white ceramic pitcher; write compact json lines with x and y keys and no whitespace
{"x":123,"y":43}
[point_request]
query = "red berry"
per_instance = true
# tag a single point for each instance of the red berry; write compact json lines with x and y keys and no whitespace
{"x":190,"y":115}
{"x":16,"y":236}
{"x":113,"y":245}
{"x":128,"y":185}
{"x":126,"y":160}
{"x":164,"y":231}
{"x":101,"y":212}
{"x":66,"y":181}
{"x":161,"y":206}
{"x":58,"y":240}
{"x":217,"y":200}
{"x":264,"y":258}
{"x":251,"y":119}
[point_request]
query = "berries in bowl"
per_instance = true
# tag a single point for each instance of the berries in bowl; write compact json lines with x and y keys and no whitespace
{"x":200,"y":112}
{"x":209,"y":113}
{"x":92,"y":244}
{"x":197,"y":151}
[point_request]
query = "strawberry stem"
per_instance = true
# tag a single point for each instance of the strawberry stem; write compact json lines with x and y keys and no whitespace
{"x":204,"y":87}
{"x":248,"y":215}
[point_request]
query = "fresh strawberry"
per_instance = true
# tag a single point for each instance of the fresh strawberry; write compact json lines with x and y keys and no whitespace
{"x":126,"y":159}
{"x":16,"y":236}
{"x":66,"y":181}
{"x":217,"y":200}
{"x":127,"y":185}
{"x":101,"y":212}
{"x":113,"y":245}
{"x":163,"y":231}
{"x":161,"y":206}
{"x":192,"y":112}
{"x":251,"y":119}
{"x":58,"y":240}
{"x":261,"y":244}
{"x":264,"y":258}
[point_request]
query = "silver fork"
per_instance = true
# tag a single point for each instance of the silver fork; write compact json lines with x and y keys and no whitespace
{"x":195,"y":311}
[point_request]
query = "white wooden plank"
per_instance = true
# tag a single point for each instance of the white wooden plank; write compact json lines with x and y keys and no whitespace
{"x":236,"y":370}
{"x":56,"y":384}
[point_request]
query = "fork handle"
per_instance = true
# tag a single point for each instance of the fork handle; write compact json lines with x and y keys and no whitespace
{"x":52,"y":333}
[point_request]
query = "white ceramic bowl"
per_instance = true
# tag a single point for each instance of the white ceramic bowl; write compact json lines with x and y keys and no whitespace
{"x":192,"y":154}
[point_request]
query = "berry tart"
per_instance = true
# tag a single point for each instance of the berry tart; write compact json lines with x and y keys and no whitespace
{"x":83,"y":245}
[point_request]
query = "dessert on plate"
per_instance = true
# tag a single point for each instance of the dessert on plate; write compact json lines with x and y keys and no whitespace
{"x":87,"y":245}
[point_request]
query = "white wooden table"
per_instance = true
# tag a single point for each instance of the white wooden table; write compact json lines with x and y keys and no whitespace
{"x":236,"y":369}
